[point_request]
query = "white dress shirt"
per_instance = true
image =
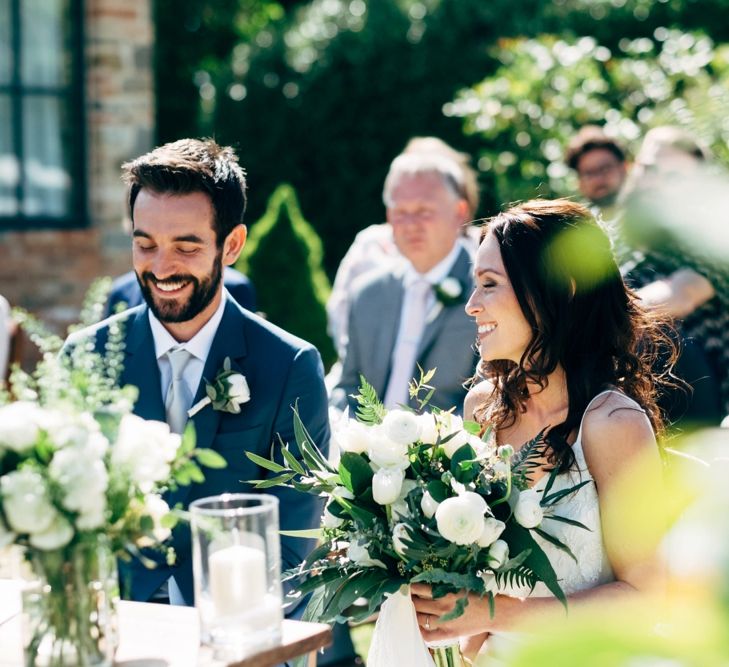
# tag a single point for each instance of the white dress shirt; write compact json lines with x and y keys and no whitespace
{"x":198,"y":347}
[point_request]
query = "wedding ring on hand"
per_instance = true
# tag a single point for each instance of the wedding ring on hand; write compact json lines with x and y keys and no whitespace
{"x":427,"y":622}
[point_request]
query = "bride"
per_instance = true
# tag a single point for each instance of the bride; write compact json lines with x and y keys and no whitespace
{"x":563,"y":345}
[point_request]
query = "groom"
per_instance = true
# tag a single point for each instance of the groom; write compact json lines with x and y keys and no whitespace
{"x":186,"y":201}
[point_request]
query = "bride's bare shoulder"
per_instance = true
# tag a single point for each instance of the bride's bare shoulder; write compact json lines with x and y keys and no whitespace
{"x":477,"y":395}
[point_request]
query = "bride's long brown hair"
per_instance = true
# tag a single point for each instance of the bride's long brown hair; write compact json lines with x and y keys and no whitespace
{"x":583,"y":318}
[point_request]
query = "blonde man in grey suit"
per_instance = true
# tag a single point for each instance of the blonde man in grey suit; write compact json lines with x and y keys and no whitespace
{"x":411,"y":313}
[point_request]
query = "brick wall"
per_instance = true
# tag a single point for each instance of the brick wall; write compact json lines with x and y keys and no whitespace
{"x":48,"y":272}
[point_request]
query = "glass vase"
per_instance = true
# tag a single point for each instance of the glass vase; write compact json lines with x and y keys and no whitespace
{"x":448,"y":656}
{"x":69,"y":606}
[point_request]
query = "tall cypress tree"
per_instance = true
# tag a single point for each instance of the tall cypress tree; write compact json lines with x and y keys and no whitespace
{"x":283,"y":257}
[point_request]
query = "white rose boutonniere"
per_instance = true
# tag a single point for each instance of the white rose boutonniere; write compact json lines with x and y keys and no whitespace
{"x":227,"y":392}
{"x":449,"y":291}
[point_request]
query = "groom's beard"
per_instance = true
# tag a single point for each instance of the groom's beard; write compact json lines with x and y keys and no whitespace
{"x":173,"y":310}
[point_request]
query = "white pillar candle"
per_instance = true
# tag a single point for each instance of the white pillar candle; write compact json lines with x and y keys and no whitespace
{"x":237,"y":579}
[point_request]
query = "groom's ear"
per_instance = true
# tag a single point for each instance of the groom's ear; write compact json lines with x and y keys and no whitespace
{"x":233,"y":244}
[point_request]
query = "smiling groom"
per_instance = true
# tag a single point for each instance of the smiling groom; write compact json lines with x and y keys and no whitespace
{"x":186,"y":202}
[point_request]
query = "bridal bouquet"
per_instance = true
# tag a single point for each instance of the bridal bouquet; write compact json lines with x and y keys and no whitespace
{"x":417,"y":496}
{"x":81,"y":480}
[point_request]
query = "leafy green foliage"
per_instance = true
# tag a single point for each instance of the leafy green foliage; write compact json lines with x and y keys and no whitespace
{"x":370,"y":409}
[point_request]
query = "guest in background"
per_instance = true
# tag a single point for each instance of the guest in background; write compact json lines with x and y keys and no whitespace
{"x":375,"y":248}
{"x":410,"y":313}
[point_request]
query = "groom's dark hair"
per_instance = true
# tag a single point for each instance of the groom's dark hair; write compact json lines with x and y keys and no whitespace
{"x":193,"y":165}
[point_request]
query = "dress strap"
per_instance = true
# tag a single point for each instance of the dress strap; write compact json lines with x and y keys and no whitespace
{"x":578,"y":441}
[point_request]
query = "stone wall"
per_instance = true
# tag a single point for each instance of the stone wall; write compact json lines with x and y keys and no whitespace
{"x":48,"y":272}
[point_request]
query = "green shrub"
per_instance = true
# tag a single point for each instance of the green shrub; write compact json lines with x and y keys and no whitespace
{"x":283,"y":257}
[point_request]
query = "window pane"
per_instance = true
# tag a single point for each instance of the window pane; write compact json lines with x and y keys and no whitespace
{"x":44,"y":58}
{"x":8,"y":163}
{"x":46,"y":168}
{"x":6,"y":51}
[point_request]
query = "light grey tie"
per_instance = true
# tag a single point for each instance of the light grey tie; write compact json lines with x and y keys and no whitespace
{"x":405,"y":353}
{"x":178,"y":398}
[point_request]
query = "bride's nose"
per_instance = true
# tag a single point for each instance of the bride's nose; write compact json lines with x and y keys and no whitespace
{"x":473,"y":308}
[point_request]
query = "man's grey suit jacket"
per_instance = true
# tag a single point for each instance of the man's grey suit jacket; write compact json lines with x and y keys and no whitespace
{"x":447,"y":343}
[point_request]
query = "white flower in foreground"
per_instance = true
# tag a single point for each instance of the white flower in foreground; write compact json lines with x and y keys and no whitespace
{"x":328,"y":520}
{"x":401,"y":426}
{"x":145,"y":449}
{"x":498,"y":554}
{"x":492,"y":529}
{"x":460,"y":519}
{"x":342,"y":492}
{"x":94,"y":517}
{"x":25,"y":501}
{"x":357,"y":553}
{"x":82,"y":478}
{"x":429,"y":505}
{"x":6,"y":535}
{"x":400,"y":532}
{"x":387,"y":484}
{"x":428,"y":428}
{"x":400,"y":509}
{"x":528,"y":512}
{"x":57,"y":535}
{"x":489,"y":581}
{"x":387,"y":453}
{"x":157,"y":509}
{"x":352,"y":436}
{"x":19,"y":428}
{"x":452,"y":434}
{"x":502,"y":470}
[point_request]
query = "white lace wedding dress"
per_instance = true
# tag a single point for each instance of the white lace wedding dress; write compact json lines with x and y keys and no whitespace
{"x":591,"y":567}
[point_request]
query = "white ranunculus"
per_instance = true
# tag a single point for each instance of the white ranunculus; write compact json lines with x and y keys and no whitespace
{"x":82,"y":478}
{"x":428,"y":429}
{"x":400,"y":532}
{"x":145,"y":449}
{"x":157,"y":509}
{"x":498,"y":554}
{"x":238,"y":390}
{"x":93,"y":517}
{"x":387,"y":484}
{"x":387,"y":453}
{"x":328,"y":520}
{"x":19,"y":425}
{"x":400,"y":508}
{"x":492,"y":529}
{"x":401,"y":426}
{"x":460,"y":518}
{"x":27,"y":506}
{"x":489,"y":581}
{"x":58,"y":534}
{"x":429,"y":505}
{"x":353,"y":436}
{"x":528,"y":511}
{"x":357,"y":553}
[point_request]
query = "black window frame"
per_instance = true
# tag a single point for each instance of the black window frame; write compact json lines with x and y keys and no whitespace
{"x":74,"y":92}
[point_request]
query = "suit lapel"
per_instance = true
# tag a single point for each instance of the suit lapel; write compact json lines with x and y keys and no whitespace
{"x":385,"y":336}
{"x":141,"y":369}
{"x":461,"y":272}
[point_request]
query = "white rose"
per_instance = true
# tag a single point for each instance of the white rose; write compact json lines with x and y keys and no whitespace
{"x":387,"y":484}
{"x":144,"y":449}
{"x":58,"y":534}
{"x":353,"y":436}
{"x":83,"y":479}
{"x":328,"y":520}
{"x":460,"y":519}
{"x":451,"y":287}
{"x":429,"y":505}
{"x":158,"y":509}
{"x":492,"y":529}
{"x":238,"y":390}
{"x":25,"y":501}
{"x":401,"y":426}
{"x":528,"y":512}
{"x":387,"y":453}
{"x":357,"y":553}
{"x":19,"y":425}
{"x":400,"y":532}
{"x":498,"y":554}
{"x":93,"y":517}
{"x":428,"y":429}
{"x":400,"y":509}
{"x":453,"y":434}
{"x":489,"y":581}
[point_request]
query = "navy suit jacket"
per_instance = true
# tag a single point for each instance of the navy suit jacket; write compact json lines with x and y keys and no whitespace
{"x":126,"y":289}
{"x":281,"y":370}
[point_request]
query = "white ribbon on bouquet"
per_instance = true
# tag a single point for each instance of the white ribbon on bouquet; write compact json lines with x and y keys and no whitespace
{"x":396,"y":640}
